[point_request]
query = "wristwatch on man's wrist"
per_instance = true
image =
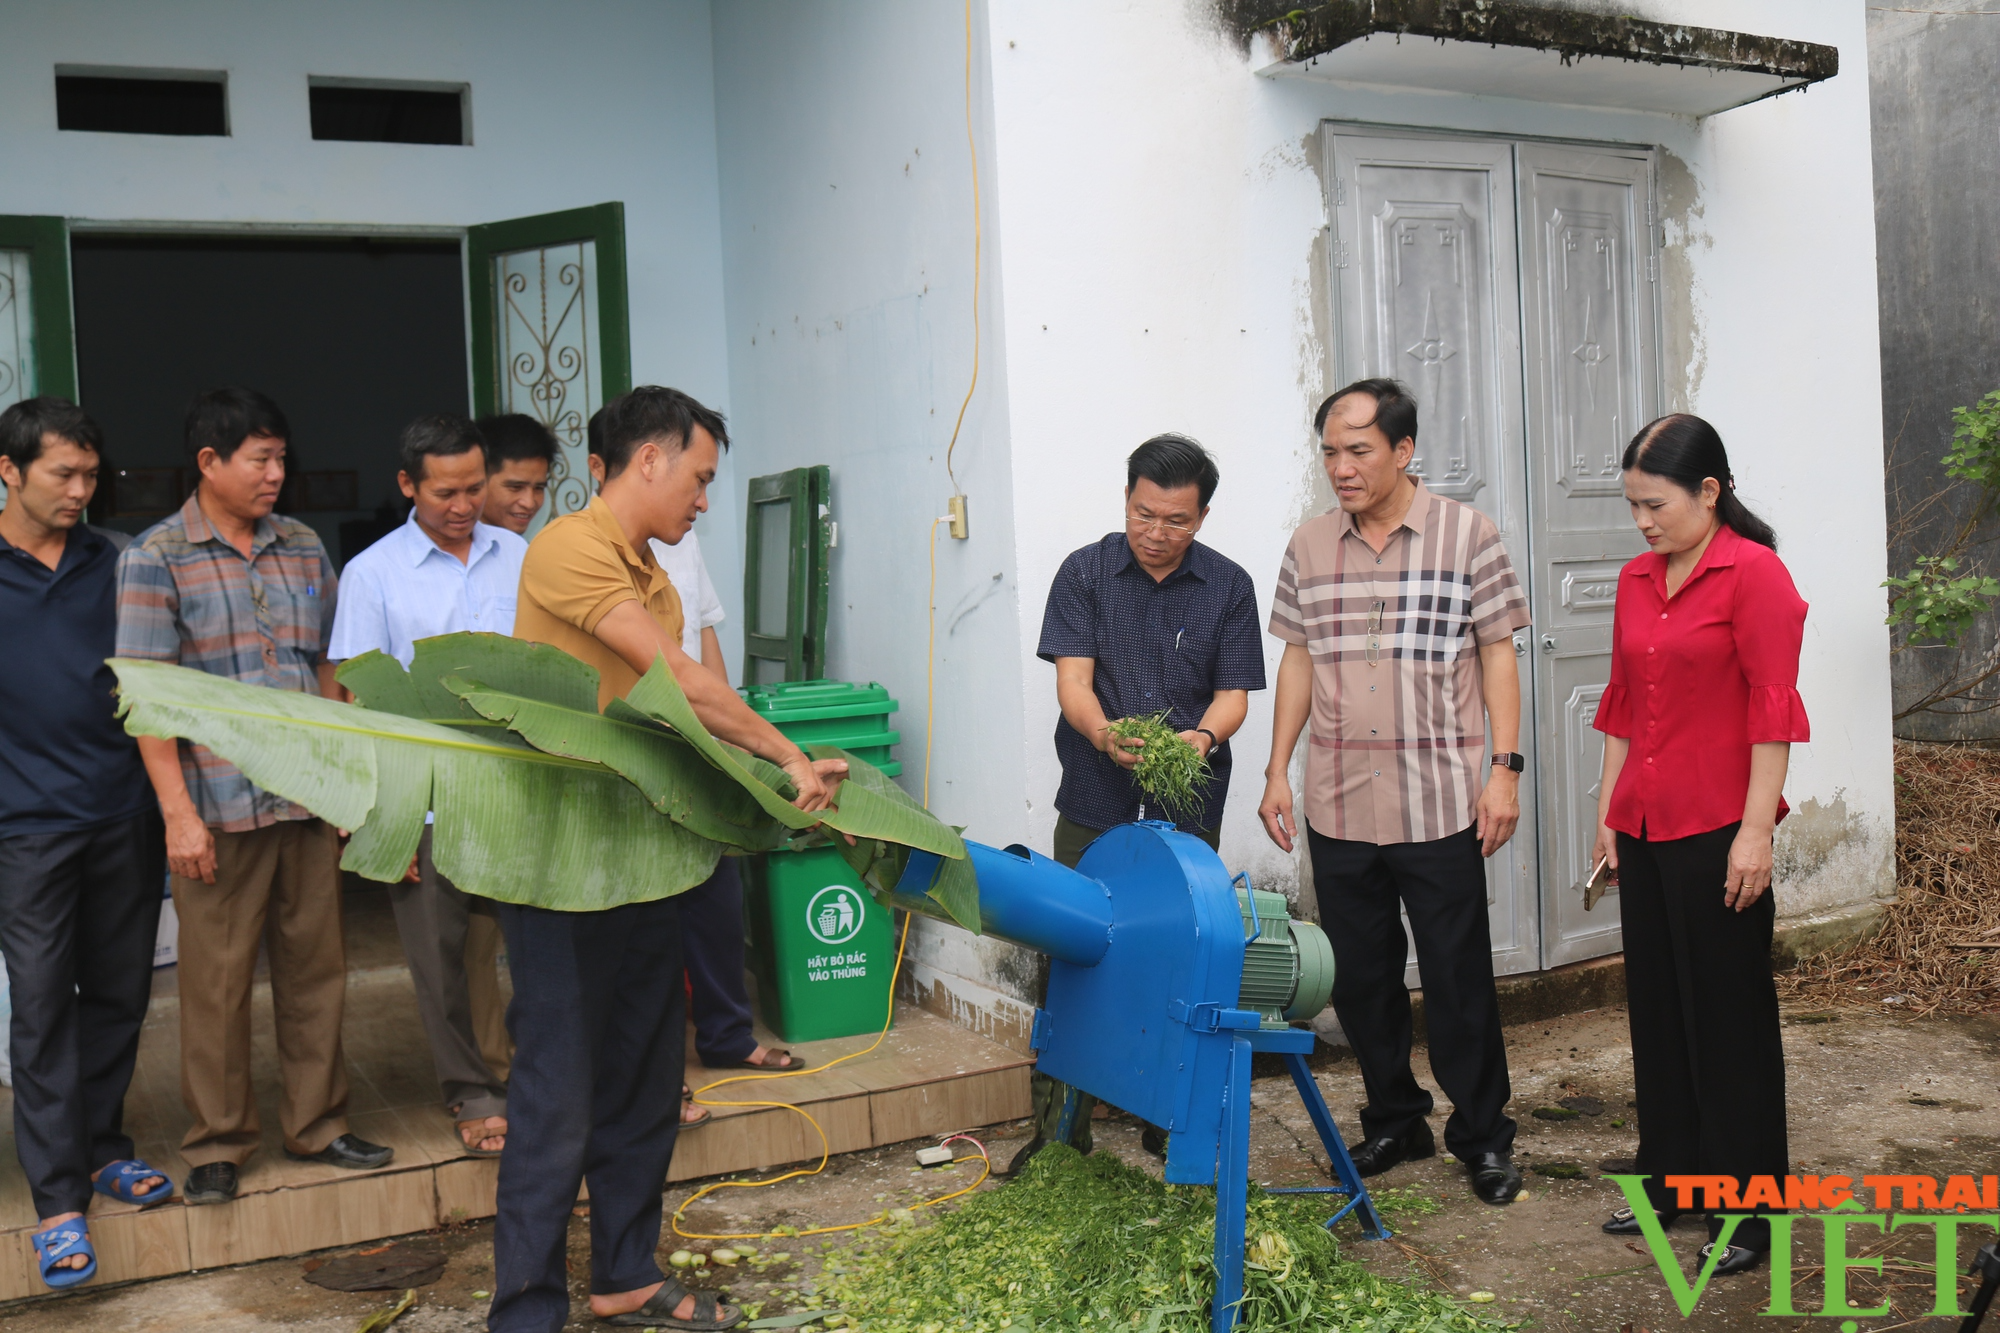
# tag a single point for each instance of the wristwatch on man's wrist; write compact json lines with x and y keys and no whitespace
{"x":1502,"y":759}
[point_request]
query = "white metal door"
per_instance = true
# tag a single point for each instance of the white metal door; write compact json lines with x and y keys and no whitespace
{"x":1589,"y":271}
{"x":1424,"y":258}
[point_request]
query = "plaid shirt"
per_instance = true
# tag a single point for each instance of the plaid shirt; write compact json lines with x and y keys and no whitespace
{"x":186,"y":595}
{"x":1398,"y":744}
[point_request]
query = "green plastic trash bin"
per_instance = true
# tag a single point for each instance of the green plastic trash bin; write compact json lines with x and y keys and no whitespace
{"x":820,"y":945}
{"x":832,"y":712}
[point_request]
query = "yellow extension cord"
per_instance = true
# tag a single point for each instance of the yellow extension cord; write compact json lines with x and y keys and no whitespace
{"x":930,"y":704}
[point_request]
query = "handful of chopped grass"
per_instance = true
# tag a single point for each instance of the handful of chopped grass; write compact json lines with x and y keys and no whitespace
{"x":1088,"y":1243}
{"x":1170,"y":771}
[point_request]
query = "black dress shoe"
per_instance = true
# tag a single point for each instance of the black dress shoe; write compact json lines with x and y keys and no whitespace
{"x":1735,"y":1259}
{"x":1495,"y":1178}
{"x":211,"y":1182}
{"x":1374,"y":1156}
{"x":1154,"y":1140}
{"x":1625,"y":1222}
{"x":356,"y":1154}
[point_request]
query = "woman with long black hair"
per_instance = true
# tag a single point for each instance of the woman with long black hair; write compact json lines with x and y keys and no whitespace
{"x":1698,"y":722}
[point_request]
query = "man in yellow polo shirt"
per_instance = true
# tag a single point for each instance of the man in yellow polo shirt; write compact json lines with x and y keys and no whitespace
{"x":599,"y":1014}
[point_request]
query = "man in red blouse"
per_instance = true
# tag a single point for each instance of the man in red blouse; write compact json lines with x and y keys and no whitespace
{"x":1398,"y":612}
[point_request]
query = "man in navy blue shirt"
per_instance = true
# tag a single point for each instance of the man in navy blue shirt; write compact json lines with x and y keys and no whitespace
{"x":1148,"y":620}
{"x":82,"y":850}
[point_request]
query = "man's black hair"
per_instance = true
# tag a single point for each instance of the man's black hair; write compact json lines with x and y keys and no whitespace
{"x":1171,"y":461}
{"x":515,"y":436}
{"x":221,"y":419}
{"x":437,"y":435}
{"x":650,"y":414}
{"x":1395,"y":409}
{"x":24,"y":426}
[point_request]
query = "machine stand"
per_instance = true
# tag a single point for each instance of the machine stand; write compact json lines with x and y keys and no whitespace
{"x":1232,"y":1183}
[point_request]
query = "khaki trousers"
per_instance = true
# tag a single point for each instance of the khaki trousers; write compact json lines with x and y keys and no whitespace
{"x":482,"y":987}
{"x":279,"y":886}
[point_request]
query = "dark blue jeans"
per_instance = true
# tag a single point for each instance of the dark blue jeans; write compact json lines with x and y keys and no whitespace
{"x":79,"y":915}
{"x":599,"y":1024}
{"x":712,"y":931}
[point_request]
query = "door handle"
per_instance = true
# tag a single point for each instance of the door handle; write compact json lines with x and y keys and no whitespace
{"x":1520,"y":645}
{"x":1548,"y":643}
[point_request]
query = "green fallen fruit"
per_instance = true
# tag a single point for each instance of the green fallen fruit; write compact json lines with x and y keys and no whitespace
{"x":723,"y":1255}
{"x":681,"y":1258}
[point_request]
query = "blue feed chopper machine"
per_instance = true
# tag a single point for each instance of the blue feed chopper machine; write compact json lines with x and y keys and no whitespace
{"x":1166,"y":976}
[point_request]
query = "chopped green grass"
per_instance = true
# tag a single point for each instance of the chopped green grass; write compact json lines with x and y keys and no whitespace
{"x":1170,"y":771}
{"x":1090,"y":1244}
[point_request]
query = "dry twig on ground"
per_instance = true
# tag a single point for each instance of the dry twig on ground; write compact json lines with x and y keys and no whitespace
{"x":1948,"y":897}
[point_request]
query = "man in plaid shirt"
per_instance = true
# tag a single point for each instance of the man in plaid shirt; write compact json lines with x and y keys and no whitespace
{"x":228,"y":587}
{"x":1398,"y":611}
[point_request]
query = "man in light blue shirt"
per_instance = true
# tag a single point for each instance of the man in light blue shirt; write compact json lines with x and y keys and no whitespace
{"x":442,"y":572}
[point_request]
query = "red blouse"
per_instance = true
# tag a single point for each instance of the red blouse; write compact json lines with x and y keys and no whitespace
{"x":1696,"y":680}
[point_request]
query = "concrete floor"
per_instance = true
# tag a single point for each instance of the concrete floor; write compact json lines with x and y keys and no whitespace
{"x":1869,"y":1094}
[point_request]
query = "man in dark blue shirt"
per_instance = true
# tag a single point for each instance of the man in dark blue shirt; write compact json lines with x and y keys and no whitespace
{"x":82,"y":851}
{"x":1149,"y":620}
{"x":1146,"y":621}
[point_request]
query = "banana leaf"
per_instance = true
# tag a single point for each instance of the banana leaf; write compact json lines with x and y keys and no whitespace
{"x":513,"y":823}
{"x":653,"y":738}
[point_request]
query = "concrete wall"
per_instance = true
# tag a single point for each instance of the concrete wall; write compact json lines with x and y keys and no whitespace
{"x":1936,"y":116}
{"x":610,"y":99}
{"x":848,"y":240}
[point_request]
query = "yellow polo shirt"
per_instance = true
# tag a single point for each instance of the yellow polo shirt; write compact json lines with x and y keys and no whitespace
{"x":577,"y":569}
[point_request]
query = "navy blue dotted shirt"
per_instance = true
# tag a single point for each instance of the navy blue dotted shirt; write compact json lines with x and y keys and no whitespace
{"x":1166,"y":645}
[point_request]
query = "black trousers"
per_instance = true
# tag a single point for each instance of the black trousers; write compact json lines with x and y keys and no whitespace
{"x":1442,"y":884}
{"x":79,"y":916}
{"x":599,"y":1021}
{"x":1707,"y":1056}
{"x":712,"y":939}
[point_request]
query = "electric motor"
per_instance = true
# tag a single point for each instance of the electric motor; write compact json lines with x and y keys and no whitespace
{"x":1287,"y":964}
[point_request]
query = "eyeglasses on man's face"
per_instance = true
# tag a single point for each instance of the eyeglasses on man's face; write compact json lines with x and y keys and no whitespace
{"x":1139,"y":523}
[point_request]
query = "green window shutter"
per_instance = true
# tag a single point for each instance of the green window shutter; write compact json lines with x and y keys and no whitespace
{"x":551,"y":330}
{"x":37,"y":340}
{"x":785,"y":567}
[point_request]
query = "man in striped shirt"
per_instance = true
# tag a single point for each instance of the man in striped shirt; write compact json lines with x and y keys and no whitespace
{"x":1398,"y":611}
{"x":228,"y":587}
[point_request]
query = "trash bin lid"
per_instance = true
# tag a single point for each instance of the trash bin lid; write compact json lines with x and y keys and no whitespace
{"x":805,"y":700}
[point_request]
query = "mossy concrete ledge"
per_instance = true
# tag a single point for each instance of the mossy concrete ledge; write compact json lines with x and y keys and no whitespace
{"x":1315,"y":30}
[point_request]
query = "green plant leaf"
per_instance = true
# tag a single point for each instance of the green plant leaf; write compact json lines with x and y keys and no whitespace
{"x":869,"y":805}
{"x":513,"y":823}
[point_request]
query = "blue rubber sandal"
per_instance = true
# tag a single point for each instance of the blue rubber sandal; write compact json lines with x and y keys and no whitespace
{"x":120,"y":1180}
{"x":60,"y":1242}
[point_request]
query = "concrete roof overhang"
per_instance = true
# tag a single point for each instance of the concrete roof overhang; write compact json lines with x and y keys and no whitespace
{"x":1533,"y":52}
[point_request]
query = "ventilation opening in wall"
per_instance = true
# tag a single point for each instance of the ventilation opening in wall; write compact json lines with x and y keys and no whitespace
{"x":367,"y":111}
{"x":142,"y":101}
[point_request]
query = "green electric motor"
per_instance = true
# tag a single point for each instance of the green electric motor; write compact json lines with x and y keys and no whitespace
{"x":1287,"y":964}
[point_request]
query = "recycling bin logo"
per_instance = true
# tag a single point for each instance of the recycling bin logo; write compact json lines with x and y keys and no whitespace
{"x":835,"y":914}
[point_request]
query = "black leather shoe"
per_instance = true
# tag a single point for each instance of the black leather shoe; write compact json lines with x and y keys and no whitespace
{"x":211,"y":1182}
{"x":1374,"y":1156}
{"x":356,"y":1154}
{"x":1625,"y":1223}
{"x":1735,"y":1259}
{"x":1028,"y":1149}
{"x":1154,"y":1140}
{"x":1495,"y":1178}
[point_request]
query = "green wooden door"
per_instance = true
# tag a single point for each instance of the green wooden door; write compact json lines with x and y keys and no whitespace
{"x":551,"y":333}
{"x":788,"y":541}
{"x":37,"y":341}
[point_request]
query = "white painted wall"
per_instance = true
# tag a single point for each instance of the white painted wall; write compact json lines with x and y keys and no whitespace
{"x":1157,"y":216}
{"x":848,"y":241}
{"x":609,"y":99}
